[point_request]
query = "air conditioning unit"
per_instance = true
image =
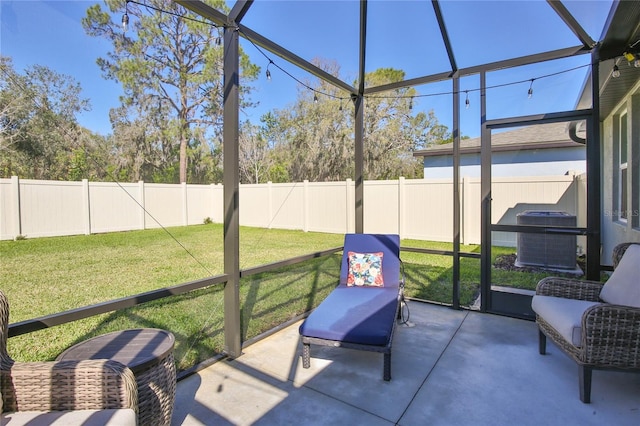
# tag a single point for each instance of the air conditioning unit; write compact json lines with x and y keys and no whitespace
{"x":548,"y":251}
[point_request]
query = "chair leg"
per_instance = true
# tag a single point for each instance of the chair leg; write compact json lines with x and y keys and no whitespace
{"x":306,"y":355}
{"x":542,"y":342}
{"x":584,"y":375}
{"x":386,"y":373}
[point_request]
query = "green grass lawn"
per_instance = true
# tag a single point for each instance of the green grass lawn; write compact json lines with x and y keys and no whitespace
{"x":48,"y":275}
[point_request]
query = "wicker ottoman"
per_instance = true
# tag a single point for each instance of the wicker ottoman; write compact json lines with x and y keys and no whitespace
{"x":148,"y":352}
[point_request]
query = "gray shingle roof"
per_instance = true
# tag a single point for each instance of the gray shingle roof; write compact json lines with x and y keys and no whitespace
{"x":551,"y":135}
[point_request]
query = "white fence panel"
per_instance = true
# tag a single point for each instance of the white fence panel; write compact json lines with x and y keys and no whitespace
{"x":471,"y":227}
{"x":381,"y":207}
{"x":165,"y":205}
{"x":428,"y":210}
{"x":327,"y":207}
{"x":9,"y":209}
{"x":116,"y":207}
{"x":416,"y":209}
{"x":200,"y":203}
{"x":255,"y":205}
{"x":49,"y":208}
{"x":287,"y":206}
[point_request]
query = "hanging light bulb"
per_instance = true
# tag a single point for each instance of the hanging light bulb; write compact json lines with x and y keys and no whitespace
{"x":466,"y":101}
{"x":411,"y":103}
{"x":616,"y":72}
{"x":268,"y":73}
{"x":315,"y":98}
{"x":340,"y":109}
{"x":125,"y":17}
{"x":530,"y":92}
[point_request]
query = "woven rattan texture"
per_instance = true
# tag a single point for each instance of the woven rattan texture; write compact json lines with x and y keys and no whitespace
{"x":610,"y":333}
{"x":156,"y":392}
{"x":62,"y":385}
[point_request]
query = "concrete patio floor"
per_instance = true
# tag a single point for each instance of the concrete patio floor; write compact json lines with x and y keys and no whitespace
{"x":448,"y":368}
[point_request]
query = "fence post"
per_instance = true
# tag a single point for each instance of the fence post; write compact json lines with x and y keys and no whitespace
{"x":15,"y":201}
{"x":143,"y":210}
{"x":212,"y":216}
{"x":269,"y":204}
{"x":401,"y":206}
{"x":305,"y":205}
{"x":86,"y":206}
{"x":464,"y":193}
{"x":185,"y":210}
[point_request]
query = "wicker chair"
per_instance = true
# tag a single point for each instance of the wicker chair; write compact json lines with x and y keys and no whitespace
{"x":66,"y":392}
{"x":581,"y":318}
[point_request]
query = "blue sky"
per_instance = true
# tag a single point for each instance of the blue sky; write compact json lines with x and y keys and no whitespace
{"x":50,"y":33}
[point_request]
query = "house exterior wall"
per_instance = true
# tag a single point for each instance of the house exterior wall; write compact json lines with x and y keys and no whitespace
{"x":615,"y":229}
{"x":543,"y":162}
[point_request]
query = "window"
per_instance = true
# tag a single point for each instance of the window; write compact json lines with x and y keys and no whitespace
{"x":623,"y":203}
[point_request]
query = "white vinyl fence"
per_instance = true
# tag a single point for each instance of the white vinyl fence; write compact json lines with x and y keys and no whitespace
{"x":417,"y":209}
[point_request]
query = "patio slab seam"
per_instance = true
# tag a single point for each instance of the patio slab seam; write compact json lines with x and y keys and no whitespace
{"x":433,"y":367}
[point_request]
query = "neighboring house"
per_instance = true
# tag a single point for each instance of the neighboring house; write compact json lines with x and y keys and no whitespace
{"x":540,"y":150}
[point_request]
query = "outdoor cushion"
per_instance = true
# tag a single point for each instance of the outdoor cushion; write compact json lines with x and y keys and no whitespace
{"x":355,"y":315}
{"x":389,"y":245}
{"x":120,"y":417}
{"x":622,"y":286}
{"x":564,"y":315}
{"x":365,"y":269}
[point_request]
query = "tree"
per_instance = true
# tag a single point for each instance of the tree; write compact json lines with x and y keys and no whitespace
{"x":393,"y":132}
{"x":169,"y":57}
{"x":255,"y":161}
{"x":39,"y":134}
{"x":314,"y":137}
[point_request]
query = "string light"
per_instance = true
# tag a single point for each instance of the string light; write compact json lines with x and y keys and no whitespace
{"x":633,"y":58}
{"x":340,"y":109}
{"x":268,"y":73}
{"x":125,"y":17}
{"x":125,"y":21}
{"x":271,"y":62}
{"x":616,"y":72}
{"x":495,"y":86}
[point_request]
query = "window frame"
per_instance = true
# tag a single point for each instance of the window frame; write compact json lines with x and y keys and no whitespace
{"x":622,"y":143}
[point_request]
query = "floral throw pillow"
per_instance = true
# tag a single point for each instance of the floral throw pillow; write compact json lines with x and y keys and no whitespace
{"x":365,"y":269}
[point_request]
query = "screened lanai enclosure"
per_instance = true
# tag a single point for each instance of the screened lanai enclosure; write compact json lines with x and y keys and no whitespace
{"x":486,"y":69}
{"x":428,"y":31}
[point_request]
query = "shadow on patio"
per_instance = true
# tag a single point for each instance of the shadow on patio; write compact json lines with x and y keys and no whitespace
{"x":448,"y":367}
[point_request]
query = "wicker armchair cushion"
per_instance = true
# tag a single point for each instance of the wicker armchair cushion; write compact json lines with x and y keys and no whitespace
{"x":564,"y":315}
{"x":113,"y":417}
{"x":621,"y":288}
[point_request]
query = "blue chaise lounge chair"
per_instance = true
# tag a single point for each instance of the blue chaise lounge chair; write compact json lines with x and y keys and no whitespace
{"x":360,"y":313}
